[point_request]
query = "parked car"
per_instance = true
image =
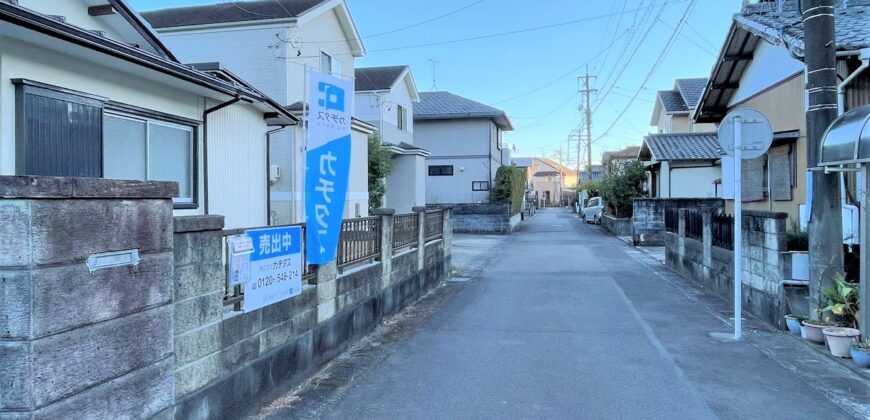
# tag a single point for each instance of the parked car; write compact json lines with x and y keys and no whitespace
{"x":593,"y":210}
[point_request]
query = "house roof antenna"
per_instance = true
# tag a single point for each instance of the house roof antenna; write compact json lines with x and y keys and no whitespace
{"x":434,"y":80}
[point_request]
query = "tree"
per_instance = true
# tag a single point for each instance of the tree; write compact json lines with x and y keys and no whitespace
{"x":380,"y":166}
{"x":620,"y":189}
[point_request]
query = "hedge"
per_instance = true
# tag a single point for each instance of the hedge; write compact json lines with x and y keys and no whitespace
{"x":510,"y":186}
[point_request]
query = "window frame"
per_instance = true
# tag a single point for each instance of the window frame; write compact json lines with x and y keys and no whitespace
{"x":150,"y":117}
{"x":475,"y":188}
{"x":402,"y":118}
{"x":440,"y":172}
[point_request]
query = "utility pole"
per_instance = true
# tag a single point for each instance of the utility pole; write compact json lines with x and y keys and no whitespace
{"x":826,"y":218}
{"x":587,"y":92}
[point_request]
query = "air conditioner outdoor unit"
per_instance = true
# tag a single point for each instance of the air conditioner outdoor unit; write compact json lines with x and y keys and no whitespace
{"x":274,"y":173}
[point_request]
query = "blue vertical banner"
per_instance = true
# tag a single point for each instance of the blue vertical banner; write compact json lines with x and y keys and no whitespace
{"x":327,"y":163}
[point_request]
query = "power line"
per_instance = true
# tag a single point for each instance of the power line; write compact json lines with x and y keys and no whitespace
{"x":513,"y":32}
{"x":453,"y":12}
{"x":562,"y":77}
{"x":655,"y":65}
{"x":687,"y":38}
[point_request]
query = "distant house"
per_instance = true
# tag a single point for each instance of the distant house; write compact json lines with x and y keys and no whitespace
{"x":90,"y":92}
{"x":613,"y":161}
{"x":551,"y":182}
{"x":597,"y":173}
{"x":683,"y":157}
{"x":464,"y":138}
{"x":757,"y":68}
{"x":271,"y":43}
{"x":385,"y":98}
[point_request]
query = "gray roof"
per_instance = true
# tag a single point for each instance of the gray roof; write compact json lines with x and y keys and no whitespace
{"x":852,"y":24}
{"x":691,"y":90}
{"x":225,"y":12}
{"x":672,"y":101}
{"x":447,"y":106}
{"x":377,"y":78}
{"x":681,"y":146}
{"x":522,"y":162}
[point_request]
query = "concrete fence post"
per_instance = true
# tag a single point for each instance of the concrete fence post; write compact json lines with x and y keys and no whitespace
{"x":681,"y":231}
{"x":327,"y":274}
{"x":447,"y":230}
{"x":707,"y":238}
{"x":421,"y":236}
{"x":387,"y":216}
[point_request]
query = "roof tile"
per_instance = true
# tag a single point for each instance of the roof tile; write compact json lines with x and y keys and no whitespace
{"x":683,"y":146}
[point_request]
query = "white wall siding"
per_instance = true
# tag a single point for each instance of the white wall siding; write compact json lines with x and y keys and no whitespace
{"x":770,"y":65}
{"x":237,"y":166}
{"x":457,"y":188}
{"x":406,"y":185}
{"x":454,"y":137}
{"x":317,"y":35}
{"x":253,"y":53}
{"x":75,"y":12}
{"x":696,"y":182}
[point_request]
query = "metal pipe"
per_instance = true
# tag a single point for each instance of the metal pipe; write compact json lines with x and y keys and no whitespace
{"x":205,"y":145}
{"x":268,"y":170}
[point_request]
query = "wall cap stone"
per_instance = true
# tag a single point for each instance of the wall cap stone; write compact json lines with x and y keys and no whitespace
{"x":765,"y":214}
{"x":70,"y":187}
{"x":418,"y":209}
{"x":184,"y":224}
{"x":383,"y":212}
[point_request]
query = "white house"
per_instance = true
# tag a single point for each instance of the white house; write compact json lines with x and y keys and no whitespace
{"x":464,"y":138}
{"x":385,"y":98}
{"x":271,"y":43}
{"x":682,"y":157}
{"x":88,"y":90}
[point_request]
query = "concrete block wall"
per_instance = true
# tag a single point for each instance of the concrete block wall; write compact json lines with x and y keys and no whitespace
{"x":648,"y":220}
{"x":765,"y":262}
{"x":616,"y":226}
{"x":74,"y":342}
{"x":485,"y":218}
{"x":258,"y":355}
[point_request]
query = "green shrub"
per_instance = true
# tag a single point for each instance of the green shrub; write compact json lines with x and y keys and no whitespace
{"x":619,"y":190}
{"x":380,"y":166}
{"x":510,"y":186}
{"x":593,"y":187}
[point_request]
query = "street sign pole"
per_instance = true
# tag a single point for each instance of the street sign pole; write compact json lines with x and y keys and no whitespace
{"x":738,"y":227}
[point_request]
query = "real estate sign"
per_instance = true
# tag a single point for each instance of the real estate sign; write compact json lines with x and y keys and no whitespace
{"x":275,"y":266}
{"x":327,"y":163}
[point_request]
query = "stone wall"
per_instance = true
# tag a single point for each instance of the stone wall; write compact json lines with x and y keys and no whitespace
{"x":648,"y":220}
{"x":485,"y":218}
{"x":616,"y":226}
{"x":767,"y":290}
{"x":159,"y":338}
{"x":95,"y":343}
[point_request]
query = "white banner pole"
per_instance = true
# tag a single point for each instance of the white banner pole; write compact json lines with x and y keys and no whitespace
{"x":738,"y":227}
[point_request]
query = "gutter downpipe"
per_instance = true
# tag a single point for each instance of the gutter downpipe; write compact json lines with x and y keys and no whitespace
{"x":205,"y":144}
{"x":268,"y":169}
{"x":864,"y":56}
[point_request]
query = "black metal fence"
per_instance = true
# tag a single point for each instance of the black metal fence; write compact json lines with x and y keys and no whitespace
{"x":672,"y":220}
{"x":405,"y":230}
{"x":695,"y":225}
{"x":359,"y":241}
{"x":434,"y":224}
{"x":723,"y":231}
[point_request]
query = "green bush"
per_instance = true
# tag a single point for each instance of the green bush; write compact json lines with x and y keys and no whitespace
{"x":593,"y":187}
{"x":380,"y":166}
{"x":619,"y":190}
{"x":510,"y":186}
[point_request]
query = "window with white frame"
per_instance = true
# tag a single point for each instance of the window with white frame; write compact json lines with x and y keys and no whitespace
{"x":329,"y":65}
{"x":402,"y":118}
{"x":149,"y":150}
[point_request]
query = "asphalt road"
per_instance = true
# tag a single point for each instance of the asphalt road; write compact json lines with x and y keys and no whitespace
{"x":562,"y":321}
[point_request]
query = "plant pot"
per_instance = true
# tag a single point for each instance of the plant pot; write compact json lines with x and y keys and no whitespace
{"x":814,"y":332}
{"x":793,"y":323}
{"x":803,"y":331}
{"x":840,"y":340}
{"x":861,"y":357}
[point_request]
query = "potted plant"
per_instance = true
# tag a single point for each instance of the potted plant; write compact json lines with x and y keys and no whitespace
{"x":793,"y":322}
{"x":861,"y":353}
{"x":840,"y":340}
{"x":842,"y":300}
{"x":813,"y":329}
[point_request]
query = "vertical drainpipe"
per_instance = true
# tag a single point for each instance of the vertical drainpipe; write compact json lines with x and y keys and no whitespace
{"x":268,"y":170}
{"x":205,"y":145}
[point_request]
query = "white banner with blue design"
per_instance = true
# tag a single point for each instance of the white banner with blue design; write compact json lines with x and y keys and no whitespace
{"x":327,"y":163}
{"x":275,"y":266}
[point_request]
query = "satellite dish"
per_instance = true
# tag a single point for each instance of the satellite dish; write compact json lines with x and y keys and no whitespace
{"x":755,"y":137}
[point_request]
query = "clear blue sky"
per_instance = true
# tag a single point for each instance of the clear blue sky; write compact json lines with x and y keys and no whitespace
{"x":499,"y":68}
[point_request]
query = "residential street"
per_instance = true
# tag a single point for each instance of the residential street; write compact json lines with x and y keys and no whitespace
{"x":561,"y":321}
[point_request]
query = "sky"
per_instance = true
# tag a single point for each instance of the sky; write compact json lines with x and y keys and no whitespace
{"x":528,"y":56}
